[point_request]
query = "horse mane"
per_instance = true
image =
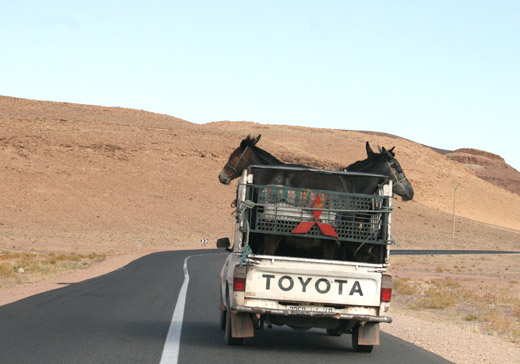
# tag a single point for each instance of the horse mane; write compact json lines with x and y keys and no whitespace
{"x":250,"y":142}
{"x":362,"y":164}
{"x":266,"y":155}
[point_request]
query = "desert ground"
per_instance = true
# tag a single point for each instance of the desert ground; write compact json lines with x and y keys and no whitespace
{"x":85,"y":189}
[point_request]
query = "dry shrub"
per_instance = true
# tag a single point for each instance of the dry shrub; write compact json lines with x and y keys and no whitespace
{"x":514,"y":333}
{"x":505,"y":325}
{"x":68,"y":257}
{"x":38,"y":266}
{"x":7,"y":255}
{"x":6,"y":270}
{"x":468,"y":295}
{"x":446,"y":283}
{"x":500,"y":324}
{"x":436,"y":298}
{"x":30,"y":263}
{"x":470,"y":317}
{"x":96,"y":256}
{"x":405,"y":287}
{"x":516,"y":308}
{"x":503,"y":298}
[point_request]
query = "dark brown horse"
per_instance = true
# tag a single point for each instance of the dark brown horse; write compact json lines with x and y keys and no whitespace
{"x":383,"y":163}
{"x":386,"y":164}
{"x":248,"y":154}
{"x":298,"y":176}
{"x":245,"y":155}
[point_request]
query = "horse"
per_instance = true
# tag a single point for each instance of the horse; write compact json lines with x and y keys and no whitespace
{"x":384,"y":163}
{"x":242,"y":157}
{"x":248,"y":154}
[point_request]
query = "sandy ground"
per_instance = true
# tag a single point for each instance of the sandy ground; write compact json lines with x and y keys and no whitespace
{"x":80,"y":178}
{"x":451,"y":342}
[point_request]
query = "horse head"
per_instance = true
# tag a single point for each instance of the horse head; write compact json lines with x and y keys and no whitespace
{"x":242,"y":157}
{"x":385,"y":163}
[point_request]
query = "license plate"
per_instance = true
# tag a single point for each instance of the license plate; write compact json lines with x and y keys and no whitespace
{"x":307,"y":309}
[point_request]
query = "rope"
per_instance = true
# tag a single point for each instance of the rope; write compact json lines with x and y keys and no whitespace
{"x":246,"y":250}
{"x":395,"y":176}
{"x":393,"y":242}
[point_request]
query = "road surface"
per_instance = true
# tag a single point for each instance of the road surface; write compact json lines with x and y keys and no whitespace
{"x":125,"y":317}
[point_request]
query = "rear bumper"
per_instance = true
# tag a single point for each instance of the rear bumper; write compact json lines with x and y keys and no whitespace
{"x":330,"y":315}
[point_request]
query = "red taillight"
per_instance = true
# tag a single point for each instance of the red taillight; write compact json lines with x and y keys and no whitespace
{"x":239,"y":279}
{"x":386,"y":288}
{"x":239,"y":284}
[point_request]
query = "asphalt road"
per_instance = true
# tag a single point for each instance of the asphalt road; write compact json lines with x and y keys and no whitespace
{"x":124,"y":317}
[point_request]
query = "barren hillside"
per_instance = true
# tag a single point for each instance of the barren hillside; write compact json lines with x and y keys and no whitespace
{"x":91,"y":177}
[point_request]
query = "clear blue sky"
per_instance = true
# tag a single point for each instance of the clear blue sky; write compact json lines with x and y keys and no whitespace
{"x":442,"y":73}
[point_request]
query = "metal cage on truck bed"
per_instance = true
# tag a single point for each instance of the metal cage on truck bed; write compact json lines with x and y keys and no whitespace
{"x":319,"y":213}
{"x":353,"y":217}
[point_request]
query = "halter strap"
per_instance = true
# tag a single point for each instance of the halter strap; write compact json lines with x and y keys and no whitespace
{"x":393,"y":174}
{"x":234,"y":169}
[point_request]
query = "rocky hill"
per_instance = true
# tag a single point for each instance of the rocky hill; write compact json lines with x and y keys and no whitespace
{"x":488,"y":166}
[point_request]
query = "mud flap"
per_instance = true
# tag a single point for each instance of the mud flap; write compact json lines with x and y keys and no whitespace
{"x":241,"y":325}
{"x":368,"y":334}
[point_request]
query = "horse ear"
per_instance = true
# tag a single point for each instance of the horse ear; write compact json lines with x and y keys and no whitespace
{"x":387,"y":152}
{"x":256,"y":139}
{"x":370,"y":152}
{"x":244,"y":142}
{"x":380,"y":149}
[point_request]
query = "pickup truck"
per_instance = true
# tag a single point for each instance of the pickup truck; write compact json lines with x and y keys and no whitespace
{"x":308,"y":257}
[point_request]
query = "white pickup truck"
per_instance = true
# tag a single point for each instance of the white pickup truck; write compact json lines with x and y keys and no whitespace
{"x":308,"y":257}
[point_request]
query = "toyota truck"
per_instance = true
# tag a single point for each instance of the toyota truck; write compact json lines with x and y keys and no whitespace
{"x":310,"y":250}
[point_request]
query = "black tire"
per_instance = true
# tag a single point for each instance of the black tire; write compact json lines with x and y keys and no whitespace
{"x":334,"y":332}
{"x":356,"y":346}
{"x":223,"y":320}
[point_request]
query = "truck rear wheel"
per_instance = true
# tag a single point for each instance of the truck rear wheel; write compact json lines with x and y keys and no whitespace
{"x":355,"y":340}
{"x":223,"y":320}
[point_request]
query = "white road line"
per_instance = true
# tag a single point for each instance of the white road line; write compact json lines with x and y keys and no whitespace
{"x":170,"y":353}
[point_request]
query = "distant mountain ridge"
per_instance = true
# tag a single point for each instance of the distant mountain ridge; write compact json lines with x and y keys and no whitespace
{"x":488,"y":166}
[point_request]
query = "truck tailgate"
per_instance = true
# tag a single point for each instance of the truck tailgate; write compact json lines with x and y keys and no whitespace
{"x":313,"y":281}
